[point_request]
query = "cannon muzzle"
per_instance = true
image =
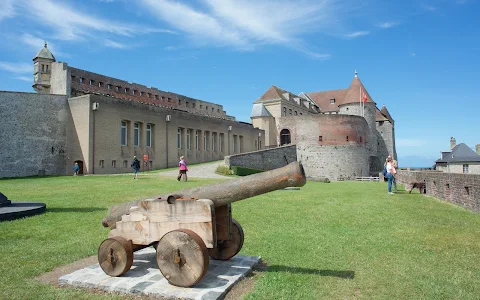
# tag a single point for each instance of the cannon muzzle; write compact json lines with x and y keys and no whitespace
{"x":222,"y":193}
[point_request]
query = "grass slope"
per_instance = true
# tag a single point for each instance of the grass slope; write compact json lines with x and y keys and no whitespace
{"x":342,"y":240}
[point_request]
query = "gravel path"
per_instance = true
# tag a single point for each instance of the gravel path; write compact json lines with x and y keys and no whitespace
{"x":206,"y":170}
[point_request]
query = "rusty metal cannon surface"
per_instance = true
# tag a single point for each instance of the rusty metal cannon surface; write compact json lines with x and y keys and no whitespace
{"x":187,"y":226}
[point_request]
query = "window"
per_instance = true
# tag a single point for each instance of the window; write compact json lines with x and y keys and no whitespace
{"x":212,"y":109}
{"x":380,"y":123}
{"x":201,"y":106}
{"x":220,"y":142}
{"x":301,"y":114}
{"x":205,"y":141}
{"x":149,"y":95}
{"x":347,"y":138}
{"x":213,"y":141}
{"x":127,"y":90}
{"x":163,"y":98}
{"x":169,"y":99}
{"x":156,"y":97}
{"x":206,"y":107}
{"x":196,"y":140}
{"x":332,"y":100}
{"x":193,"y":105}
{"x":125,"y":163}
{"x":465,"y":169}
{"x":149,"y":135}
{"x":285,"y":137}
{"x":43,"y":68}
{"x":289,"y":112}
{"x":136,"y":134}
{"x":141,"y":93}
{"x":82,"y":80}
{"x":109,"y":86}
{"x":295,"y":113}
{"x":179,"y":138}
{"x":100,"y":163}
{"x":46,"y":68}
{"x":187,"y":104}
{"x":92,"y":82}
{"x":234,"y":141}
{"x":284,"y":111}
{"x":100,"y":84}
{"x":179,"y":102}
{"x":114,"y":163}
{"x":123,"y":134}
{"x":360,"y":139}
{"x":320,"y":138}
{"x":259,"y":144}
{"x":118,"y":89}
{"x":150,"y":164}
{"x":188,"y":139}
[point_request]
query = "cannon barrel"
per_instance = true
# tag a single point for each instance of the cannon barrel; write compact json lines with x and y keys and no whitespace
{"x":222,"y":193}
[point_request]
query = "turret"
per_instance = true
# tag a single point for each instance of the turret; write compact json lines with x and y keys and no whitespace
{"x":42,"y":65}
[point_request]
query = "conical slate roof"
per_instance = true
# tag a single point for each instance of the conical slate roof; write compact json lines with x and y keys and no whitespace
{"x":44,"y":53}
{"x":379,"y":116}
{"x":354,"y":93}
{"x":385,"y":112}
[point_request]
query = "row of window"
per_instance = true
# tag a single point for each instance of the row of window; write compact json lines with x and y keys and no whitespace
{"x":101,"y":164}
{"x":212,"y":141}
{"x":137,"y":133}
{"x":295,"y":113}
{"x":134,"y":92}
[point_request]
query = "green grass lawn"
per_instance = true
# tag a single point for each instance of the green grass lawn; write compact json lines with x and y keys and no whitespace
{"x":342,"y":240}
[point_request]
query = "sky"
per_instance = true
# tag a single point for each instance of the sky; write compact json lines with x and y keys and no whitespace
{"x":418,"y":58}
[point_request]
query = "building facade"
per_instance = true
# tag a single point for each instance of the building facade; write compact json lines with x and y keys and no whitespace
{"x":338,"y":133}
{"x":102,"y":122}
{"x":460,"y":159}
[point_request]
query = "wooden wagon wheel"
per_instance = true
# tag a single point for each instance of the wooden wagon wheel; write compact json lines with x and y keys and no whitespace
{"x":182,"y":257}
{"x":115,"y":256}
{"x":228,"y":249}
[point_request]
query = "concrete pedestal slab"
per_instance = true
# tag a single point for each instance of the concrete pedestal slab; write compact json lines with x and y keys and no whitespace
{"x":145,"y":278}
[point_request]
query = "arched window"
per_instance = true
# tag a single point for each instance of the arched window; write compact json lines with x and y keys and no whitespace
{"x":285,"y":137}
{"x":284,"y":111}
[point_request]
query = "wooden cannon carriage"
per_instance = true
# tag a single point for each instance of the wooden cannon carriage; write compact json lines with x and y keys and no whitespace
{"x":186,"y":227}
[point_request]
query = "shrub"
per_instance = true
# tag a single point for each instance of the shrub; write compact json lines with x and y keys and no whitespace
{"x":223,"y":170}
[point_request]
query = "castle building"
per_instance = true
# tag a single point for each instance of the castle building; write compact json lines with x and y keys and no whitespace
{"x":459,"y":159}
{"x":338,"y":134}
{"x":101,"y":122}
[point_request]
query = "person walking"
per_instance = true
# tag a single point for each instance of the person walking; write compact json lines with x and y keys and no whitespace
{"x":136,"y":166}
{"x":182,"y":172}
{"x":390,"y":173}
{"x":76,"y":168}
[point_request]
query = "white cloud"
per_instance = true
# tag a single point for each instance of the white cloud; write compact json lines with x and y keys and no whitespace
{"x":35,"y":42}
{"x":73,"y":24}
{"x":357,"y":34}
{"x":18,"y":68}
{"x":6,"y":9}
{"x":112,"y":44}
{"x":24,"y":78}
{"x":429,"y":7}
{"x":387,"y":24}
{"x":245,"y":24}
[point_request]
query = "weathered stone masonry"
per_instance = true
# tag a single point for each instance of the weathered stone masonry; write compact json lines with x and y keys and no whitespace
{"x":459,"y":189}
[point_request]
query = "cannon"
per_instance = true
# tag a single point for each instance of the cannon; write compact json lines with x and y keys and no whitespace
{"x":188,"y":226}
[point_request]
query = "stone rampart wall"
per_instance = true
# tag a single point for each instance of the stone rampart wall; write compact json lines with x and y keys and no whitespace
{"x":33,"y":134}
{"x":460,"y":189}
{"x":264,"y":159}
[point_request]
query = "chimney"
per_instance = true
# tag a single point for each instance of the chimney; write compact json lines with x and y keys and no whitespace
{"x":477,"y":148}
{"x":453,"y":143}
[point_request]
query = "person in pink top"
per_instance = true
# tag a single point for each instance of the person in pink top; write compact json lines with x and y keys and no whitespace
{"x":182,"y":164}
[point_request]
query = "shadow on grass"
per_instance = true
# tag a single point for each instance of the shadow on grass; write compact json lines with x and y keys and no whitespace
{"x":262,"y":267}
{"x":332,"y":273}
{"x":74,"y":209}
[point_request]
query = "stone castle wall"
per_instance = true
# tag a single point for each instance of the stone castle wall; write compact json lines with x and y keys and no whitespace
{"x":33,"y":135}
{"x":459,"y":189}
{"x":264,"y":159}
